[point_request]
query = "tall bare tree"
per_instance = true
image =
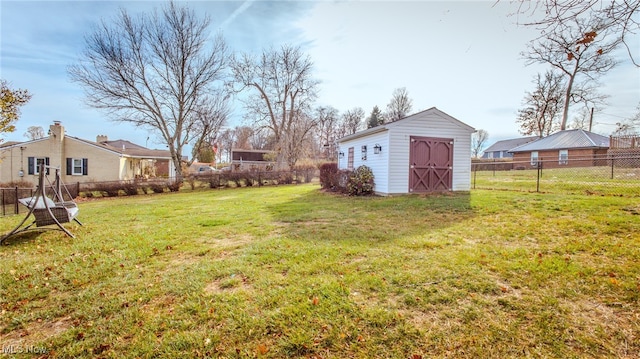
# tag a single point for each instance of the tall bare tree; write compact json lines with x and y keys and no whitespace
{"x":581,"y":51}
{"x":10,"y":103}
{"x":159,"y":71}
{"x":618,"y":17}
{"x":400,"y":105}
{"x":327,"y":118}
{"x":34,"y":133}
{"x":351,"y":122}
{"x":281,"y":92}
{"x":478,"y":141}
{"x":542,"y":106}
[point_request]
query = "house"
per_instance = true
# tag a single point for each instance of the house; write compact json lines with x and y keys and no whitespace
{"x":81,"y":160}
{"x":252,"y":160}
{"x":569,"y":148}
{"x":424,"y":152}
{"x":501,"y":149}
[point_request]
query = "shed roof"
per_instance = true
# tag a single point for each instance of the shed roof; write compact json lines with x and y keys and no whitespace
{"x":563,"y":140}
{"x":387,"y":126}
{"x":506,"y":145}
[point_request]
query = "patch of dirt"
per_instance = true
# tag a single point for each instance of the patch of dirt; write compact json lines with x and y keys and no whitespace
{"x":35,"y":332}
{"x":228,"y":285}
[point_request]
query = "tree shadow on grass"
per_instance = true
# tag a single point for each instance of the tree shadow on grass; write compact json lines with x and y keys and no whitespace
{"x":22,"y":237}
{"x":323,"y":216}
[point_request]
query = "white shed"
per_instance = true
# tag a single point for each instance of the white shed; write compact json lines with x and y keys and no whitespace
{"x":424,"y":152}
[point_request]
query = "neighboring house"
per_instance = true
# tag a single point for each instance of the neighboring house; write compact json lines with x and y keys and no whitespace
{"x":569,"y":148}
{"x":501,"y":149}
{"x":82,"y":160}
{"x":424,"y":152}
{"x":252,"y":160}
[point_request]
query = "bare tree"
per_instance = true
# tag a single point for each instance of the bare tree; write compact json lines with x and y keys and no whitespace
{"x":327,"y":118}
{"x":159,"y":71}
{"x":351,"y":122}
{"x":478,"y":141}
{"x":211,"y":117}
{"x":618,"y":17}
{"x":243,"y":138}
{"x":581,"y":51}
{"x":628,"y":126}
{"x":282,"y":91}
{"x":34,"y":133}
{"x":400,"y":105}
{"x":542,"y":106}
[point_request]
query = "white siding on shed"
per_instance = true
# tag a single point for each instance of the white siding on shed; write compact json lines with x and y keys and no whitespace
{"x":377,"y":162}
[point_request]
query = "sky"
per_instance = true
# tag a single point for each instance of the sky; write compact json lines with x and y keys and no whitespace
{"x":461,"y":57}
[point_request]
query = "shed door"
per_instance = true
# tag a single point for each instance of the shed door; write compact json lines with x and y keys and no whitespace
{"x":430,"y":164}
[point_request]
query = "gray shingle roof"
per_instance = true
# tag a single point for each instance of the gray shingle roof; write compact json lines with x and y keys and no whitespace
{"x":563,"y":140}
{"x":506,"y":145}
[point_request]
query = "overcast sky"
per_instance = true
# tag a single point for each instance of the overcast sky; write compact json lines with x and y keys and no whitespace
{"x":461,"y":57}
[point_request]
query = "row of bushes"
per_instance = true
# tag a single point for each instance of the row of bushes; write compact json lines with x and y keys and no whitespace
{"x":358,"y":182}
{"x":300,"y":174}
{"x":129,"y":188}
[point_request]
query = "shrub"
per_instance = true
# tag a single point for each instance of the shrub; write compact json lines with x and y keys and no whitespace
{"x":360,"y":182}
{"x":285,"y":178}
{"x":175,"y":186}
{"x":248,"y":178}
{"x":328,"y":172}
{"x":214,"y":181}
{"x":157,"y":187}
{"x":130,"y":188}
{"x":307,"y":172}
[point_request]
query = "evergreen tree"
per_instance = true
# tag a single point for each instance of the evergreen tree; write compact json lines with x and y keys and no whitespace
{"x":376,"y":118}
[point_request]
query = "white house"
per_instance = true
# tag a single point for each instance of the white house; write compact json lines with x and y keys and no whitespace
{"x":424,"y":152}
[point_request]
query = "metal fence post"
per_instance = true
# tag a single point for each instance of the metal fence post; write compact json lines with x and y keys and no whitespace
{"x":15,"y":202}
{"x":539,"y":175}
{"x":612,"y":162}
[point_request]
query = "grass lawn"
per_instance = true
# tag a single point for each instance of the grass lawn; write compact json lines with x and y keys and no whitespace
{"x":290,"y":271}
{"x":573,"y":180}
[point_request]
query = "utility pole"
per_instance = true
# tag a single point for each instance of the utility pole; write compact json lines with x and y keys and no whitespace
{"x":591,"y":119}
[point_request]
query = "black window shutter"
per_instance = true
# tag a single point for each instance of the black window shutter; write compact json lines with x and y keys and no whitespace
{"x":31,"y":164}
{"x":69,"y":166}
{"x":46,"y":162}
{"x":85,"y":166}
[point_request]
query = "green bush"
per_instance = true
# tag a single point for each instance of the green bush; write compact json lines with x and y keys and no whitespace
{"x":360,"y":182}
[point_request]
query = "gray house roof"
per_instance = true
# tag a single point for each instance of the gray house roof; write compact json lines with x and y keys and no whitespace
{"x":506,"y":145}
{"x":564,"y":140}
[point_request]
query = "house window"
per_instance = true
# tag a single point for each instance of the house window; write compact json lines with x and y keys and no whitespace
{"x":350,"y":158}
{"x":363,"y":150}
{"x":563,"y":157}
{"x":77,"y":167}
{"x":34,"y":164}
{"x":534,"y":158}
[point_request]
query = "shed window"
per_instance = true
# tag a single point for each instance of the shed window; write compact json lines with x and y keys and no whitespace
{"x":534,"y":158}
{"x":350,"y":158}
{"x":563,"y":157}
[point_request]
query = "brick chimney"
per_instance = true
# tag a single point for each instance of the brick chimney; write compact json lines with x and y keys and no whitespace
{"x":56,"y":131}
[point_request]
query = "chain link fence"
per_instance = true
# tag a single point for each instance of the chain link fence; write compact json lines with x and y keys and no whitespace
{"x":614,"y":174}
